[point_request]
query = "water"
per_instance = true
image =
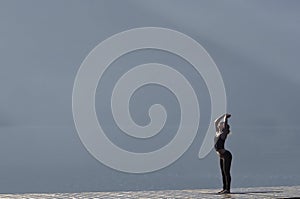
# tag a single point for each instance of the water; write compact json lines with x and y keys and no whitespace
{"x":261,"y":157}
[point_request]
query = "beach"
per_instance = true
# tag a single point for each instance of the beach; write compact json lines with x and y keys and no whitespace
{"x":253,"y":192}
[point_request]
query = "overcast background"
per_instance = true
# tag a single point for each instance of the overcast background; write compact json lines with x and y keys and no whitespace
{"x":255,"y":45}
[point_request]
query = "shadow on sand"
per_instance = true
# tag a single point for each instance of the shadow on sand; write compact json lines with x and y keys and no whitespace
{"x":256,"y":192}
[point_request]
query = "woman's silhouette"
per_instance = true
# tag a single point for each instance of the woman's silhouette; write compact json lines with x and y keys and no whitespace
{"x":222,"y":130}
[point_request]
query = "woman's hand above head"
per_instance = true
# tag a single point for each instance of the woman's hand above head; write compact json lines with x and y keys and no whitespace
{"x":228,"y":115}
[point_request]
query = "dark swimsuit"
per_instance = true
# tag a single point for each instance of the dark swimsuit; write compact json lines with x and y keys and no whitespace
{"x":225,"y":158}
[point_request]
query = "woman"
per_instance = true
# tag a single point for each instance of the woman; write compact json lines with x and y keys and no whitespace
{"x":222,"y":130}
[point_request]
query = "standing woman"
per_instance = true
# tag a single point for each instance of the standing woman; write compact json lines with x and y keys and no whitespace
{"x":222,"y":130}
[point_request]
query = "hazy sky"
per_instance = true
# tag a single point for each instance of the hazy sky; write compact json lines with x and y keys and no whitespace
{"x":255,"y":45}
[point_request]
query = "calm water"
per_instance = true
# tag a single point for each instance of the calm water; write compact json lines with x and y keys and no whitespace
{"x":261,"y":157}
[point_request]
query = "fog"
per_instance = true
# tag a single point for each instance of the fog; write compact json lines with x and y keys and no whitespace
{"x":255,"y":45}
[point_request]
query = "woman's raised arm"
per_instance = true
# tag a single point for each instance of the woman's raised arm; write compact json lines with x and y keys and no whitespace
{"x":218,"y":120}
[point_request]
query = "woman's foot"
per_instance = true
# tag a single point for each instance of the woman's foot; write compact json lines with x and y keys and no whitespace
{"x":224,"y":191}
{"x":220,"y":192}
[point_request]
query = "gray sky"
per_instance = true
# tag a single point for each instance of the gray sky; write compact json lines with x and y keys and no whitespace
{"x":255,"y":45}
